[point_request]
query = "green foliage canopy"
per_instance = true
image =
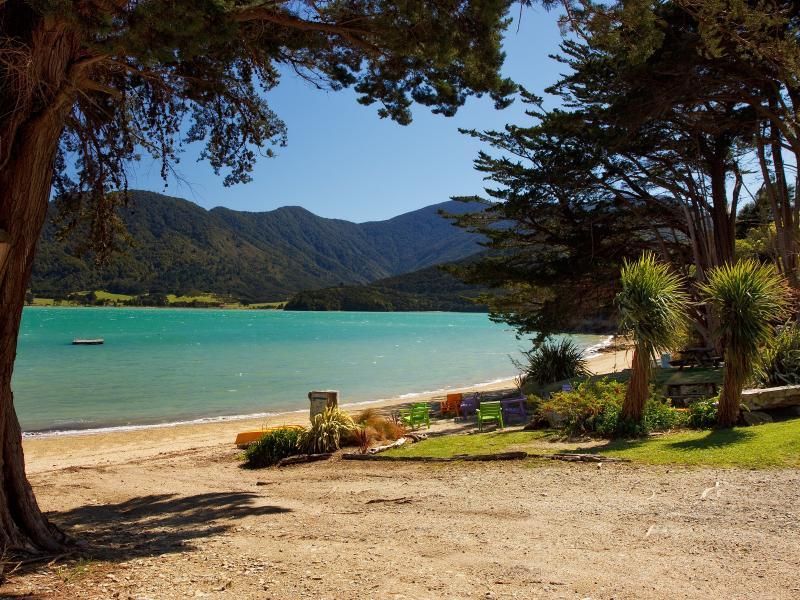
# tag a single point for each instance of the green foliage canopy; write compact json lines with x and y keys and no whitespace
{"x":152,"y":76}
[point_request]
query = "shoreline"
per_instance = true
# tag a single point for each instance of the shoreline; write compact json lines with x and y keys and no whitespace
{"x":594,"y":353}
{"x":44,"y":453}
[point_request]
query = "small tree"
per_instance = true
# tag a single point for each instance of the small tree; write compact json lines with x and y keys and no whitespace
{"x":748,"y":299}
{"x":653,"y":311}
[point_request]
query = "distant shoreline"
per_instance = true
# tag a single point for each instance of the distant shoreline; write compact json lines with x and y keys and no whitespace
{"x":599,"y":361}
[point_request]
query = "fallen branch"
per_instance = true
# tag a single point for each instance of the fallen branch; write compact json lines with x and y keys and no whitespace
{"x":593,"y":458}
{"x":461,"y":457}
{"x":401,"y":500}
{"x":302,"y":458}
{"x":395,"y":444}
{"x":584,"y":458}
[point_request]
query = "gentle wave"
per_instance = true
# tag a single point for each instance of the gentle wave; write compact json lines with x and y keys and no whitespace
{"x":116,"y":428}
{"x":246,"y":417}
{"x":596,"y":350}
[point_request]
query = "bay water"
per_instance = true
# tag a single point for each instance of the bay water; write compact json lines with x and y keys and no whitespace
{"x":174,"y":365}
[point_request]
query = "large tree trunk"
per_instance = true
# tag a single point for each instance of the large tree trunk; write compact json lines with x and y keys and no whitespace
{"x":638,"y":387}
{"x":732,"y":384}
{"x":26,"y":169}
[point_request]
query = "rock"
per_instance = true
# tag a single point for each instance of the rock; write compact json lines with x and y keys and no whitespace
{"x":777,"y":397}
{"x":755,"y":417}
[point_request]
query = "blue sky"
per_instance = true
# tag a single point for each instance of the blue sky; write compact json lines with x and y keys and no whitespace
{"x":342,"y":161}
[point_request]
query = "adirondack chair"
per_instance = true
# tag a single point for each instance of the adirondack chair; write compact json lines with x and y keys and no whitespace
{"x":515,"y":407}
{"x":452,"y":404}
{"x":490,"y":411}
{"x":419,"y":413}
{"x":469,"y":405}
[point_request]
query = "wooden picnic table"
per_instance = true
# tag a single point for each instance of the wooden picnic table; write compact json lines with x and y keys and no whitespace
{"x":684,"y":386}
{"x":696,"y":357}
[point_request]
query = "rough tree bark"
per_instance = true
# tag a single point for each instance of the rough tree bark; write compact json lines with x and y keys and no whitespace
{"x":730,"y":397}
{"x":638,"y":388}
{"x":26,"y":168}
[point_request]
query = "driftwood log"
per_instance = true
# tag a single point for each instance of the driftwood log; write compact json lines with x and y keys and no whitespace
{"x":486,"y":457}
{"x":396,"y":444}
{"x":302,"y":458}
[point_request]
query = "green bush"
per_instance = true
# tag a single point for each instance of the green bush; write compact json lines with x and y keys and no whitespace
{"x":581,"y":411}
{"x":553,"y":361}
{"x":703,"y":413}
{"x":594,"y":407}
{"x":272,"y":447}
{"x":325,"y":433}
{"x":779,"y":362}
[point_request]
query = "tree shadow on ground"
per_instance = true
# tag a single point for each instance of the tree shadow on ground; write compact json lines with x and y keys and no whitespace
{"x":157,"y":524}
{"x":714,"y":439}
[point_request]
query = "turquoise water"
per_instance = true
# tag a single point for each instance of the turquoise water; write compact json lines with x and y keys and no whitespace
{"x":171,"y":365}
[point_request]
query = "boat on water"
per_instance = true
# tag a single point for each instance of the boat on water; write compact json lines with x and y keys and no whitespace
{"x":87,"y":342}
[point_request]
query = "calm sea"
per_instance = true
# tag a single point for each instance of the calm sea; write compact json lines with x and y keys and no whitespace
{"x":173,"y":365}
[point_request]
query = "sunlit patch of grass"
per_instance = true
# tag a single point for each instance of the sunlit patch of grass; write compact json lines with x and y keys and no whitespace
{"x":764,"y":446}
{"x":103,"y":295}
{"x":267,"y":305}
{"x":447,"y":446}
{"x":773,"y":445}
{"x":204,"y":298}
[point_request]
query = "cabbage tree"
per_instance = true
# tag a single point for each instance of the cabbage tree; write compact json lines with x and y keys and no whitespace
{"x":748,"y":299}
{"x":653,"y":310}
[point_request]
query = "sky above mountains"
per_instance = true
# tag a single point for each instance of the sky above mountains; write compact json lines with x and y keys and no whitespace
{"x":342,"y":161}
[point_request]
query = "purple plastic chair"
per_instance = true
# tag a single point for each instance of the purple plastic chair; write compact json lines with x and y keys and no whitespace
{"x":469,"y":405}
{"x":514,"y":407}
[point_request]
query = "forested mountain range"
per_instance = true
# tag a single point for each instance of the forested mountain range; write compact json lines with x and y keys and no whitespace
{"x":179,"y":247}
{"x":427,"y":289}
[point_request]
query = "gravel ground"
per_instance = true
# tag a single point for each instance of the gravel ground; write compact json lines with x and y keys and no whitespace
{"x":195,"y":524}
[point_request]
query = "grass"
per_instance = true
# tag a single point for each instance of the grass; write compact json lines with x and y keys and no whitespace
{"x":765,"y":446}
{"x":102,"y":295}
{"x":206,"y":298}
{"x":267,"y":305}
{"x":446,"y":446}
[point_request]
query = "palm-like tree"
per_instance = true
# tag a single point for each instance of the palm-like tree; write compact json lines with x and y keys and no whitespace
{"x":748,"y":298}
{"x":653,"y":311}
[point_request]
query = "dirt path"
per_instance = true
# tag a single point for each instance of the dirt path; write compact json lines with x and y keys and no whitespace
{"x":194,"y":524}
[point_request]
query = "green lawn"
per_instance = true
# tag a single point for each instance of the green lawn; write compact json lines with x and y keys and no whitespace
{"x":446,"y":446}
{"x":769,"y":445}
{"x":102,"y":295}
{"x":205,"y":298}
{"x":763,"y":446}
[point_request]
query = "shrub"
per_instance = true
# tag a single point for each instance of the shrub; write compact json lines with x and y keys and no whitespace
{"x":703,"y":413}
{"x":595,"y":407}
{"x":362,"y":436}
{"x":580,"y":411}
{"x":779,"y":362}
{"x":382,"y":429}
{"x":273,"y":446}
{"x":553,"y":361}
{"x":325,"y":433}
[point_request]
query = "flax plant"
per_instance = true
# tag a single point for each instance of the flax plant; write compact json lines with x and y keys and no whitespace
{"x":653,"y":312}
{"x":749,"y":299}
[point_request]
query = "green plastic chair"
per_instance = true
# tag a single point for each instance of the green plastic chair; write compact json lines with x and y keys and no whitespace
{"x":419,"y":413}
{"x":490,"y":411}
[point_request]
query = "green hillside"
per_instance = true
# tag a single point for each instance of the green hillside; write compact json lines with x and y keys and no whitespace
{"x":427,"y":289}
{"x":181,"y":248}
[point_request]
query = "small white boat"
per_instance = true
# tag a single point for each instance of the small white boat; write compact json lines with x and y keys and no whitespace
{"x":83,"y":342}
